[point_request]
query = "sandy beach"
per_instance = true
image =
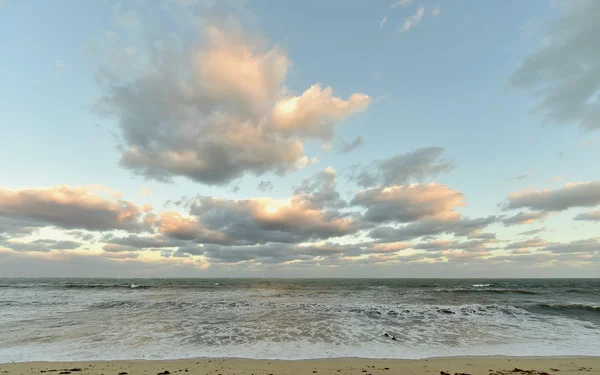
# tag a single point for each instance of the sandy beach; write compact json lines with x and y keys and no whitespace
{"x":433,"y":366}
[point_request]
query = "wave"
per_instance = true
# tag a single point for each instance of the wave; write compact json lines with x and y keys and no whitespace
{"x":488,"y":290}
{"x":568,"y":307}
{"x":480,"y":285}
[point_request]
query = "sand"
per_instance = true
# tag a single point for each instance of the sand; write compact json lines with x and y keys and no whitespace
{"x":432,"y":366}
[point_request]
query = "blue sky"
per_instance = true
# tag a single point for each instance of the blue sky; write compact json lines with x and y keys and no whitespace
{"x":460,"y":76}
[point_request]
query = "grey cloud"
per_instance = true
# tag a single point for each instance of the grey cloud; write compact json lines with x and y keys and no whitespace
{"x":564,"y":70}
{"x":589,"y":216}
{"x":401,"y":169}
{"x":348,"y":147}
{"x":320,"y":191}
{"x":532,"y":232}
{"x":82,"y":235}
{"x":11,"y":227}
{"x":265,"y":186}
{"x":483,"y":236}
{"x":583,"y":194}
{"x":70,"y":208}
{"x":143,"y":242}
{"x":122,"y":255}
{"x":527,"y":258}
{"x":472,"y":245}
{"x":528,"y":217}
{"x":115,"y":248}
{"x":250,"y":222}
{"x":533,"y":242}
{"x":41,"y":245}
{"x":461,"y":227}
{"x":581,"y":246}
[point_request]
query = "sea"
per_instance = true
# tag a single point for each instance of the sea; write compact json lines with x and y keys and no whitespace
{"x":101,"y":319}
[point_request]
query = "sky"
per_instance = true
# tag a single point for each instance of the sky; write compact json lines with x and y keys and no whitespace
{"x":198,"y":138}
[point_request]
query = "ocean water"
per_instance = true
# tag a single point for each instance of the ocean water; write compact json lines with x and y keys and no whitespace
{"x":82,"y":319}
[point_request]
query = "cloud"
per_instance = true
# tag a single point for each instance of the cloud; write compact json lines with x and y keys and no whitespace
{"x":17,"y":227}
{"x":59,"y":264}
{"x":220,"y":110}
{"x":415,"y":166}
{"x":532,"y":232}
{"x":521,"y":176}
{"x":459,"y":227}
{"x":41,"y":245}
{"x":564,"y":69}
{"x":589,"y":216}
{"x":533,"y":242}
{"x":319,"y":191}
{"x":407,"y":203}
{"x":311,"y":213}
{"x":347,"y":147}
{"x":173,"y":224}
{"x":71,"y":208}
{"x":580,"y":246}
{"x":528,"y":217}
{"x":315,"y":113}
{"x":412,"y":21}
{"x":580,"y":194}
{"x":403,"y":3}
{"x":436,"y":11}
{"x":472,"y":245}
{"x":382,"y":22}
{"x":265,"y":186}
{"x":142,"y":242}
{"x":144,"y":191}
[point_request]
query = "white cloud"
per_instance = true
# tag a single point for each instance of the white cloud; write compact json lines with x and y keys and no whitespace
{"x":412,"y":21}
{"x":403,"y":3}
{"x":436,"y":11}
{"x":382,"y":22}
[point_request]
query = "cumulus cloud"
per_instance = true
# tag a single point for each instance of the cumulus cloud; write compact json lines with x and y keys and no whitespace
{"x":528,"y":217}
{"x":564,"y":69}
{"x":589,"y":216}
{"x":412,"y":21}
{"x":580,"y":194}
{"x":219,"y":110}
{"x":415,"y":166}
{"x":265,"y":186}
{"x":315,"y":113}
{"x":255,"y":221}
{"x":408,"y":203}
{"x":319,"y":191}
{"x":347,"y":147}
{"x":70,"y":207}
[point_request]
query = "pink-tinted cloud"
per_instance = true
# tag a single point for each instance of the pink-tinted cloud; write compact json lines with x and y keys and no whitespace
{"x":408,"y":203}
{"x":70,"y":207}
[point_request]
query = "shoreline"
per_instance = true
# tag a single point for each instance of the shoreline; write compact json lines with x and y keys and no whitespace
{"x":472,"y":365}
